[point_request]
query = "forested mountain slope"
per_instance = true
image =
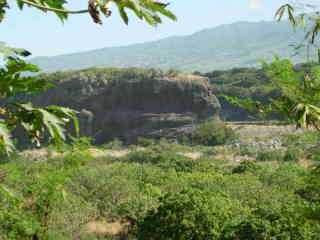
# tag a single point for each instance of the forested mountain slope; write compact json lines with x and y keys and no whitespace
{"x":240,"y":44}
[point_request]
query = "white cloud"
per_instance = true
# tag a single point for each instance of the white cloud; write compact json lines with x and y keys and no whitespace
{"x":255,"y":4}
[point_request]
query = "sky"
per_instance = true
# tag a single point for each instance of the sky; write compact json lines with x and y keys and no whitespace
{"x":44,"y":35}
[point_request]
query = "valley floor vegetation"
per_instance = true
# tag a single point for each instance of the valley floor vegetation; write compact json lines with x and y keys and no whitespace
{"x":234,"y":185}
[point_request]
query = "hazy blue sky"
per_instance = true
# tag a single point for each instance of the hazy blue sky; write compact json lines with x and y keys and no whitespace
{"x":44,"y":34}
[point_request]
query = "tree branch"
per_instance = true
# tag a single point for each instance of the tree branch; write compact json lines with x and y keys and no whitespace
{"x":56,"y":10}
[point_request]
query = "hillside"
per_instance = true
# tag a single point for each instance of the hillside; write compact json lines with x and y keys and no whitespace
{"x":131,"y":103}
{"x":223,"y":47}
{"x":243,"y":83}
{"x":252,"y":83}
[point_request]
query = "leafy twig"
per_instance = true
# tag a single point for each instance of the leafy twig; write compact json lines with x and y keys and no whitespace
{"x":51,"y":9}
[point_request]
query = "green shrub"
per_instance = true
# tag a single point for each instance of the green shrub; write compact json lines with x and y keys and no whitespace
{"x":290,"y":155}
{"x":286,"y":177}
{"x":304,"y":139}
{"x":265,"y":155}
{"x":212,"y":133}
{"x":145,"y":142}
{"x":246,"y":166}
{"x":293,"y":154}
{"x":82,"y":143}
{"x":253,"y":229}
{"x":120,"y":190}
{"x":277,"y":214}
{"x":247,"y":151}
{"x":314,"y":153}
{"x":274,"y":226}
{"x":15,"y":221}
{"x":115,"y":145}
{"x":311,"y":192}
{"x":190,"y":214}
{"x":165,"y":160}
{"x":33,"y":194}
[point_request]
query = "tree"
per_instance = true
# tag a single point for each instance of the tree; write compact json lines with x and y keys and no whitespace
{"x":18,"y":79}
{"x":147,"y":10}
{"x":299,"y":91}
{"x":297,"y":95}
{"x":16,"y":83}
{"x":302,"y":13}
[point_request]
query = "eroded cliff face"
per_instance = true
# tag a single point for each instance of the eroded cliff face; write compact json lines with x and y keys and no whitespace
{"x":131,"y":103}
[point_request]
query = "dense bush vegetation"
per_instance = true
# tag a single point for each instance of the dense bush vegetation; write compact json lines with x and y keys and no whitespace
{"x":243,"y":83}
{"x":257,"y":85}
{"x":164,"y":160}
{"x":246,"y":166}
{"x":191,"y":214}
{"x":212,"y":133}
{"x":269,"y":155}
{"x":158,"y":190}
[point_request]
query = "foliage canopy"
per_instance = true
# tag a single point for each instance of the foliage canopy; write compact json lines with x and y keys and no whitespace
{"x":147,"y":10}
{"x":17,"y":81}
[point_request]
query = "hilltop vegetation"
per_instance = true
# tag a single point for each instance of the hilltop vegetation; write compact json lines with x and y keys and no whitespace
{"x":240,"y":44}
{"x":251,"y":84}
{"x":239,"y":82}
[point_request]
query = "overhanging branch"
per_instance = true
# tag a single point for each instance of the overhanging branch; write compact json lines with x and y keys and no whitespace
{"x":56,"y":10}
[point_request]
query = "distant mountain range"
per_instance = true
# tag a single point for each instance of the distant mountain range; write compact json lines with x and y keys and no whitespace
{"x":240,"y":44}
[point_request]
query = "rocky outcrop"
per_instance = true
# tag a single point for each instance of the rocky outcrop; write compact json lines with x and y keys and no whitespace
{"x":128,"y":103}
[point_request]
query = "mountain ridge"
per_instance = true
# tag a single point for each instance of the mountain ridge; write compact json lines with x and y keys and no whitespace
{"x":240,"y":44}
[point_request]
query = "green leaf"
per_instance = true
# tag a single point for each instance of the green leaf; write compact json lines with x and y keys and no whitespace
{"x":5,"y":138}
{"x":3,"y":7}
{"x":15,"y":79}
{"x":148,"y":10}
{"x":123,"y":15}
{"x":162,"y":9}
{"x":52,"y":119}
{"x":10,"y":52}
{"x":67,"y":115}
{"x":40,"y":123}
{"x":42,"y":4}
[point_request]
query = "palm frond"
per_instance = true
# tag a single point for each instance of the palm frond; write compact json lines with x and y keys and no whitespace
{"x":290,"y":12}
